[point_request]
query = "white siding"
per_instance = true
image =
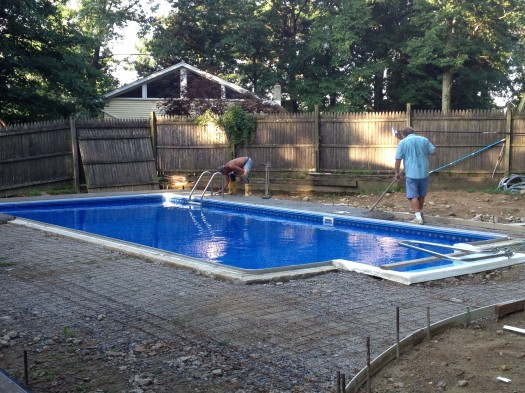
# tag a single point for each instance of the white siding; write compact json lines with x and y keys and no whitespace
{"x":130,"y":108}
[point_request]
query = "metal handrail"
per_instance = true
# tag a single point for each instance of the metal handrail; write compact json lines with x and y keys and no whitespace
{"x":196,"y":183}
{"x":492,"y":253}
{"x":207,"y":185}
{"x":209,"y":182}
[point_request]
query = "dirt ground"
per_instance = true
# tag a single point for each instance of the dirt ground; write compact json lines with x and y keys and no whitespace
{"x":483,"y":357}
{"x":480,"y":206}
{"x":463,"y":359}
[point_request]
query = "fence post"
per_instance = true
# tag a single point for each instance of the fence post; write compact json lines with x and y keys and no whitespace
{"x":508,"y":141}
{"x":316,"y":138}
{"x":74,"y":151}
{"x":153,"y":134}
{"x":409,"y":114}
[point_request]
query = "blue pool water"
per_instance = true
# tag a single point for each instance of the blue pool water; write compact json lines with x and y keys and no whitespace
{"x":240,"y":235}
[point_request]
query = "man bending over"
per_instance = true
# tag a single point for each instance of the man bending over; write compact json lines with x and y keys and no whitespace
{"x":240,"y":166}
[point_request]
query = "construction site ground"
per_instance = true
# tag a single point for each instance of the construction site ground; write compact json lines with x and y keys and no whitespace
{"x":96,"y":320}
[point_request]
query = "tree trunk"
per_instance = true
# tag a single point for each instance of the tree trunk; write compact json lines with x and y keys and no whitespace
{"x":445,"y":93}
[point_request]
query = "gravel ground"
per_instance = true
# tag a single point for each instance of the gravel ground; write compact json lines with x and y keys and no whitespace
{"x":95,"y":320}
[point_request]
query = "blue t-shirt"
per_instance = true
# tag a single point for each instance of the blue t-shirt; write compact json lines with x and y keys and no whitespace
{"x":414,"y":151}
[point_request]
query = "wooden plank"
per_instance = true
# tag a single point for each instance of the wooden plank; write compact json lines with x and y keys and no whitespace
{"x":510,"y":307}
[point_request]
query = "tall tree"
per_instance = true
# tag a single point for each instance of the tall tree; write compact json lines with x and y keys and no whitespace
{"x":224,"y":37}
{"x":44,"y":71}
{"x":350,"y":54}
{"x":100,"y":20}
{"x":468,"y":42}
{"x":380,"y":50}
{"x":336,"y":65}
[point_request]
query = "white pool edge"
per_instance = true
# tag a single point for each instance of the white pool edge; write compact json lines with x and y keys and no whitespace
{"x":409,"y":278}
{"x":207,"y":268}
{"x":285,"y":273}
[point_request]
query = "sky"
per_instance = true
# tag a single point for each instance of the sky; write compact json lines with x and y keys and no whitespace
{"x":123,"y":47}
{"x":127,"y":45}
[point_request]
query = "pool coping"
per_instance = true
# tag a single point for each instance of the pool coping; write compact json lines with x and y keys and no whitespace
{"x":201,"y":266}
{"x":285,"y":273}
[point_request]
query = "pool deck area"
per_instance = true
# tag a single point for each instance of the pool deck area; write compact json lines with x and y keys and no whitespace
{"x":273,"y":337}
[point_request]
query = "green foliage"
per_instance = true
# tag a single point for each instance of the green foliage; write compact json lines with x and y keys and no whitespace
{"x":224,"y":342}
{"x":99,"y":20}
{"x":55,"y":62}
{"x":4,"y":263}
{"x":61,"y":191}
{"x":352,"y":55}
{"x":207,"y":117}
{"x":45,"y":72}
{"x":474,"y":42}
{"x":45,"y":374}
{"x":344,"y":55}
{"x":294,"y":175}
{"x":68,"y":332}
{"x":238,"y":126}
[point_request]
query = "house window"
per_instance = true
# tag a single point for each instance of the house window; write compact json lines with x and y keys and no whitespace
{"x":200,"y":87}
{"x":166,"y":87}
{"x":233,"y":95}
{"x":133,"y":93}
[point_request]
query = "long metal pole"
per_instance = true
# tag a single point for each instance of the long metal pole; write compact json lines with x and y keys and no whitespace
{"x":383,"y":194}
{"x":499,"y":159}
{"x":468,"y":155}
{"x":441,"y":167}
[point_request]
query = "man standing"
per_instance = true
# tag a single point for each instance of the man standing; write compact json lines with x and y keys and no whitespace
{"x":414,"y":150}
{"x":241,"y":167}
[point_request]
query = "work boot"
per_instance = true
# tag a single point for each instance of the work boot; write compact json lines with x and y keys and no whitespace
{"x":247,"y":190}
{"x":232,"y":188}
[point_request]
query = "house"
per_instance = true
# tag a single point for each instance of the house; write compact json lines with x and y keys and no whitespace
{"x":181,"y":81}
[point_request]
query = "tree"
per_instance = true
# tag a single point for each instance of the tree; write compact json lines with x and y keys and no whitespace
{"x":44,"y":71}
{"x":100,"y":20}
{"x":382,"y":57}
{"x":337,"y":65}
{"x":351,"y":54}
{"x":468,"y":44}
{"x":290,"y":24}
{"x":222,"y":37}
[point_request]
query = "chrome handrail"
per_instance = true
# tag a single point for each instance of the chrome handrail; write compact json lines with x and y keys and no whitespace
{"x":209,"y":182}
{"x":207,"y":185}
{"x":492,"y":252}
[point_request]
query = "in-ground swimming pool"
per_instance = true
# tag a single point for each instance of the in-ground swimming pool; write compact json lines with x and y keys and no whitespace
{"x":242,"y":236}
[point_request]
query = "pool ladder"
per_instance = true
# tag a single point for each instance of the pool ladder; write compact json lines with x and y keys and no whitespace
{"x":479,"y":253}
{"x":207,"y":185}
{"x":466,"y":253}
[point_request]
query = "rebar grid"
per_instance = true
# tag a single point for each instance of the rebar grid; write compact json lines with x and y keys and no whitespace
{"x":298,"y":333}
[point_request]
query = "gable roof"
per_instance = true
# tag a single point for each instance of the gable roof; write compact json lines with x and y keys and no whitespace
{"x":166,"y":71}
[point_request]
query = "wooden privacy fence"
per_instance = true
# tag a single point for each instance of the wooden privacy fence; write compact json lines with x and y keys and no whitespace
{"x":350,"y":142}
{"x":108,"y":155}
{"x":129,"y":154}
{"x":116,"y":155}
{"x":35,"y":155}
